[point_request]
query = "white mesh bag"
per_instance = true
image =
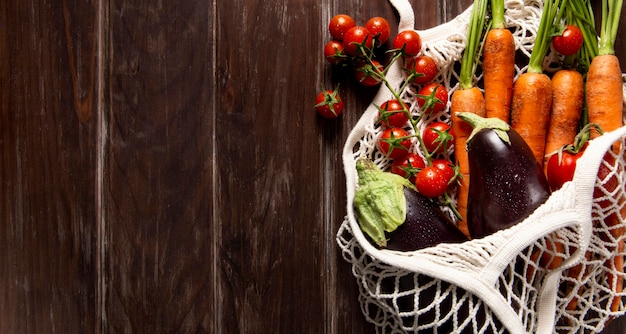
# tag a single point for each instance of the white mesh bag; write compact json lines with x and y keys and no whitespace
{"x":494,"y":284}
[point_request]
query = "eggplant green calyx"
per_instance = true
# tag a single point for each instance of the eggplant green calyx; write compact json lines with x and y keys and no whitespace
{"x":479,"y":123}
{"x":379,"y":201}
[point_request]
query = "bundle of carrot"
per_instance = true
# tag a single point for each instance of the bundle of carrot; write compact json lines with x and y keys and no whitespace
{"x":468,"y":98}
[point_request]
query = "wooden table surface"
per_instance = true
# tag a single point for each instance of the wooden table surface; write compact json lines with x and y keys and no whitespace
{"x":163,"y":170}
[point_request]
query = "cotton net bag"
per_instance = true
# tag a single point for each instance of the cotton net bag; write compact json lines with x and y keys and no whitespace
{"x":495,"y":284}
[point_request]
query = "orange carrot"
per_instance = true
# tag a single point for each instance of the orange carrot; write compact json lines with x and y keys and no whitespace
{"x":498,"y":72}
{"x":468,"y":98}
{"x":530,"y":110}
{"x":567,"y":105}
{"x":604,"y":92}
{"x":532,"y":91}
{"x":464,"y":100}
{"x":605,"y":96}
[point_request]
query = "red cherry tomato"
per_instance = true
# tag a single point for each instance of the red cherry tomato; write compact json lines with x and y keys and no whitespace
{"x":380,"y":29}
{"x":409,"y":42}
{"x":446,"y":167}
{"x":432,"y":97}
{"x":559,"y":172}
{"x":392,"y":114}
{"x":431,"y":182}
{"x":329,"y":104}
{"x":339,"y":24}
{"x":408,"y":166}
{"x":366,"y":73}
{"x":334,"y":53}
{"x":569,"y":42}
{"x":438,"y":137}
{"x":354,"y":38}
{"x":423,"y":68}
{"x":394,"y":143}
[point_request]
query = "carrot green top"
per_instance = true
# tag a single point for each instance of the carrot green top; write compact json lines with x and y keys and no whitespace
{"x":474,"y":33}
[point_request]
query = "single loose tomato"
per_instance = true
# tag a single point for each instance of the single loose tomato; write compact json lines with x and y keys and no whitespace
{"x":392,"y":114}
{"x":408,"y":42}
{"x":334,"y":53}
{"x":356,"y":39}
{"x":369,"y":74}
{"x":437,"y":137}
{"x":569,"y":41}
{"x":394,"y":143}
{"x":329,"y":104}
{"x":561,"y":168}
{"x":431,"y":182}
{"x":422,"y":69}
{"x":408,"y":166}
{"x":380,"y":29}
{"x":339,"y":24}
{"x":432,"y":97}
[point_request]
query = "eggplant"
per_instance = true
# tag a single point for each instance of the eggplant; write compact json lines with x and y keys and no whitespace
{"x":507,"y":182}
{"x":394,"y":215}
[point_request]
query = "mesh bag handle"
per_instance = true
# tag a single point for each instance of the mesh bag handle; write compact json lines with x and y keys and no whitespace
{"x":494,"y":284}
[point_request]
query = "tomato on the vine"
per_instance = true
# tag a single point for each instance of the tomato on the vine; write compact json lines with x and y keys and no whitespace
{"x":339,"y":24}
{"x":334,"y":53}
{"x":409,"y":42}
{"x":432,"y":97}
{"x":394,"y":143}
{"x":448,"y":169}
{"x":408,"y":166}
{"x":422,"y":69}
{"x":356,"y":37}
{"x":369,"y":74}
{"x":431,"y":181}
{"x":437,"y":137}
{"x":561,"y":168}
{"x":569,"y":41}
{"x":329,"y":104}
{"x":380,"y":29}
{"x":392,"y":114}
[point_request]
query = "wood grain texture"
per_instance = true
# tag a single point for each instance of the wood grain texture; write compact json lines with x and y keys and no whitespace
{"x":47,"y":170}
{"x":159,"y":169}
{"x":163,"y":169}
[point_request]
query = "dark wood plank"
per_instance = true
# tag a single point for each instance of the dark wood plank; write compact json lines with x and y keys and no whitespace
{"x":159,"y":169}
{"x":47,"y":169}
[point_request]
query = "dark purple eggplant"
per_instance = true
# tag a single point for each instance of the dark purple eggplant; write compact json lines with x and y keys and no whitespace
{"x":507,"y":182}
{"x":394,"y":215}
{"x":426,"y":225}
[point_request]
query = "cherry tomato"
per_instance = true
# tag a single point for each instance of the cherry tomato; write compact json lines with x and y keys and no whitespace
{"x":329,"y":104}
{"x":432,"y":97}
{"x":409,"y":42}
{"x":408,"y":166}
{"x":366,"y":73}
{"x":559,"y":172}
{"x":431,"y":182}
{"x":380,"y":29}
{"x":446,"y":167}
{"x":438,"y":137}
{"x":569,"y":42}
{"x":423,"y":68}
{"x":356,"y":36}
{"x":334,"y":53}
{"x":392,"y":114}
{"x":339,"y":24}
{"x":394,"y":143}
